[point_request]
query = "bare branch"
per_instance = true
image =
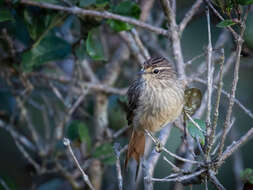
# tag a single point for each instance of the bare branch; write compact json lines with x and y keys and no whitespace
{"x":188,"y":16}
{"x":117,"y":152}
{"x":209,"y":73}
{"x":217,"y":104}
{"x":138,"y":41}
{"x":145,"y":7}
{"x":234,"y":146}
{"x":246,"y":110}
{"x":179,"y":178}
{"x":175,"y":37}
{"x":233,"y":90}
{"x":129,"y":39}
{"x":196,"y":124}
{"x":104,"y":14}
{"x":221,"y":18}
{"x":174,"y":167}
{"x":86,"y":179}
{"x":215,"y":181}
{"x":88,"y":71}
{"x":154,"y":157}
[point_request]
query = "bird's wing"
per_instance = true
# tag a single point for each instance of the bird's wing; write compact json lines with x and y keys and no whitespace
{"x":133,"y":95}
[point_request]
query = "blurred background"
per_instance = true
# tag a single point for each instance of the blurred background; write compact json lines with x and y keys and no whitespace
{"x":65,"y":75}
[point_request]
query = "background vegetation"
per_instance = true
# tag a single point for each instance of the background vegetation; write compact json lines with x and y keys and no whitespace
{"x":65,"y":66}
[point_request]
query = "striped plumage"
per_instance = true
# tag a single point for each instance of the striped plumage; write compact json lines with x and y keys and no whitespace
{"x":155,"y":98}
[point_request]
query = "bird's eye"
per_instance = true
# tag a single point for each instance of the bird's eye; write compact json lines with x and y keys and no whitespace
{"x":156,"y":71}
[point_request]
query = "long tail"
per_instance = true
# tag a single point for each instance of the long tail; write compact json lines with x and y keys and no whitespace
{"x":136,"y":148}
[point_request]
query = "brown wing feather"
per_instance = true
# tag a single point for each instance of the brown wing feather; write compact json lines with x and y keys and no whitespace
{"x":133,"y":95}
{"x":136,"y":144}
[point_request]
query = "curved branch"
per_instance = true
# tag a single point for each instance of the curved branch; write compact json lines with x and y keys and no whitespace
{"x":102,"y":14}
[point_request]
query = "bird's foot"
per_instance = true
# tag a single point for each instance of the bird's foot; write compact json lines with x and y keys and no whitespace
{"x":158,"y":144}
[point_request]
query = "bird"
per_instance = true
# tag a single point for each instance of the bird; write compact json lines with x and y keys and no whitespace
{"x":155,"y":98}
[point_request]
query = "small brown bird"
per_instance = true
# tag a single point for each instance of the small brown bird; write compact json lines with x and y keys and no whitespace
{"x":155,"y":98}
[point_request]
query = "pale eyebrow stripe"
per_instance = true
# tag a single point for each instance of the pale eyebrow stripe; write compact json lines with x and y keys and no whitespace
{"x":162,"y":68}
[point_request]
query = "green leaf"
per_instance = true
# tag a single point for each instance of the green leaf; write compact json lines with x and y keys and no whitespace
{"x":5,"y":15}
{"x":78,"y":130}
{"x":245,"y":2}
{"x":247,"y":175}
{"x":94,"y":46}
{"x":118,"y":25}
{"x":84,"y":134}
{"x":51,"y":48}
{"x":195,"y":132}
{"x":105,"y":152}
{"x":125,"y":8}
{"x":225,"y":23}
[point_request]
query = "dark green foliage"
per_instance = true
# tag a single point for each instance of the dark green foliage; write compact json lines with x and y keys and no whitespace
{"x":5,"y":15}
{"x":105,"y":153}
{"x":248,"y":36}
{"x":247,"y":175}
{"x":195,"y":132}
{"x":77,"y":130}
{"x":94,"y":46}
{"x":51,"y":48}
{"x":245,"y":2}
{"x":226,"y":23}
{"x":126,"y":8}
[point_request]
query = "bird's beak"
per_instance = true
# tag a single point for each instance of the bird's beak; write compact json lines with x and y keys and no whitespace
{"x":141,"y":72}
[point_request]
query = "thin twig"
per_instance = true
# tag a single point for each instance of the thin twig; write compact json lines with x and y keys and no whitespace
{"x":180,"y":178}
{"x":246,"y":110}
{"x":209,"y":84}
{"x":221,"y":18}
{"x":217,"y":104}
{"x":86,"y":179}
{"x":188,"y":16}
{"x":194,"y":59}
{"x":239,"y":43}
{"x":215,"y":181}
{"x":120,"y":131}
{"x":88,"y":71}
{"x":138,"y":41}
{"x":175,"y":37}
{"x":129,"y":39}
{"x":174,"y":167}
{"x":154,"y":157}
{"x":234,"y":146}
{"x":196,"y":124}
{"x":181,"y":158}
{"x":3,"y":184}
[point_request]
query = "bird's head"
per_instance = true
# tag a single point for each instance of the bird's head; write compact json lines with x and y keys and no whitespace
{"x":157,"y":68}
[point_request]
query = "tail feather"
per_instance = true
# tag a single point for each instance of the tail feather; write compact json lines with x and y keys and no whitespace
{"x":136,"y":148}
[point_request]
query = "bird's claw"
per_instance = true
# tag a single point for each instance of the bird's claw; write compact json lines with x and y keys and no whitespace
{"x":158,"y":147}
